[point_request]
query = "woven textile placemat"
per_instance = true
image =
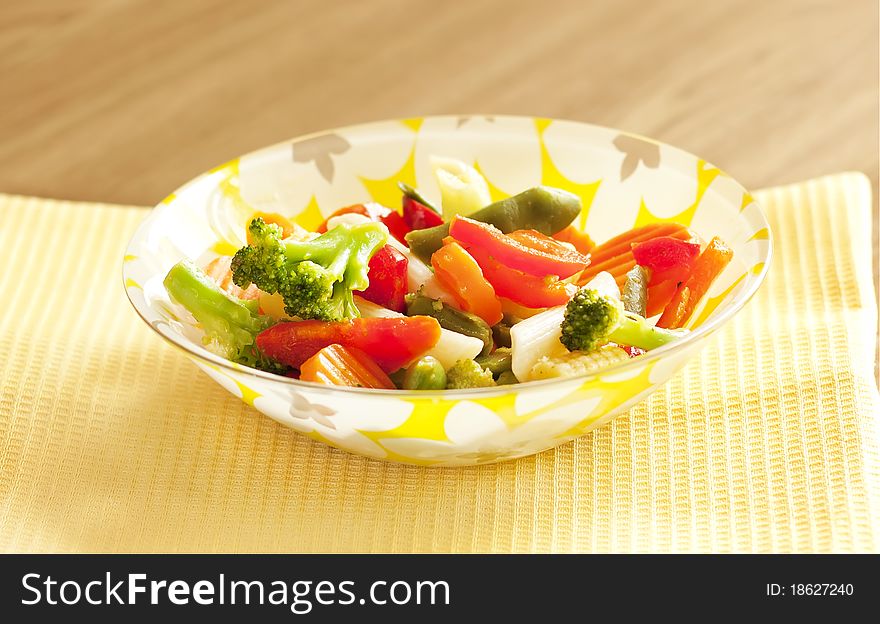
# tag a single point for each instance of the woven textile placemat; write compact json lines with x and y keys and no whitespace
{"x":110,"y":440}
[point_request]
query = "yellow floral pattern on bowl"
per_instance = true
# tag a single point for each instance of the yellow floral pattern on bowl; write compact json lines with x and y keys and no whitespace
{"x":622,"y":179}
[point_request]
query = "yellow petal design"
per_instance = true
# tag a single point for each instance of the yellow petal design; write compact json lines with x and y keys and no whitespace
{"x":426,"y":421}
{"x":224,"y":248}
{"x":494,"y":192}
{"x":413,"y":123}
{"x":385,"y":191}
{"x":762,"y":234}
{"x":712,"y":303}
{"x":310,"y":217}
{"x":552,"y":176}
{"x":705,"y":176}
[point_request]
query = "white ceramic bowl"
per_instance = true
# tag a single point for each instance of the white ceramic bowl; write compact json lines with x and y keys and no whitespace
{"x":623,"y":180}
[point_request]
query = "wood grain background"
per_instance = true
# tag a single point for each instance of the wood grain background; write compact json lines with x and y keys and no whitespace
{"x":123,"y":100}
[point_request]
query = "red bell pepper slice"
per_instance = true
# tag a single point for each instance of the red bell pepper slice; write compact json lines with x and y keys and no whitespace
{"x":375,"y":212}
{"x":388,"y":279}
{"x":708,"y":266}
{"x":418,"y":216}
{"x":666,"y":257}
{"x":396,"y":226}
{"x":529,"y":252}
{"x":527,"y":290}
{"x":391,"y":342}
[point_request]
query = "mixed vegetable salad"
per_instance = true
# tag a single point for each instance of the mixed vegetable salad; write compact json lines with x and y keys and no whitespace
{"x":474,"y":294}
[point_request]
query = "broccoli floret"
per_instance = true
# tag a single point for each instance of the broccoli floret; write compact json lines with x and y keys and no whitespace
{"x":230,"y":324}
{"x":468,"y":374}
{"x":592,"y":319}
{"x":315,"y":278}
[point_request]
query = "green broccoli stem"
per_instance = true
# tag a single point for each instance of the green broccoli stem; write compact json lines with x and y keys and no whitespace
{"x":637,"y":332}
{"x":217,"y":312}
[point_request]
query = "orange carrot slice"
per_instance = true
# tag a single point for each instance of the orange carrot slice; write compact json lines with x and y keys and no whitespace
{"x":659,"y":296}
{"x":336,"y":365}
{"x":581,"y":240}
{"x":457,"y":270}
{"x":707,"y":267}
{"x":615,"y":255}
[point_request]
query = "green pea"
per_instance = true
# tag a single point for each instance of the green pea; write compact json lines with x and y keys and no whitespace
{"x":426,"y":373}
{"x":451,"y":318}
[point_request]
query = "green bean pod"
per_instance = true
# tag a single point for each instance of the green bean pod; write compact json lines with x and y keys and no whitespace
{"x":451,"y":318}
{"x":501,"y":334}
{"x":498,"y":361}
{"x":542,"y":208}
{"x":506,"y":378}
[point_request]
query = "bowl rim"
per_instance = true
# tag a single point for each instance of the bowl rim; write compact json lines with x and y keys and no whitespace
{"x":691,"y":338}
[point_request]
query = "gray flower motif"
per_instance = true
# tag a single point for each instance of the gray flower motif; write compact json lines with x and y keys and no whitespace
{"x":303,"y":409}
{"x":466,"y":118}
{"x":319,"y":150}
{"x":637,"y":151}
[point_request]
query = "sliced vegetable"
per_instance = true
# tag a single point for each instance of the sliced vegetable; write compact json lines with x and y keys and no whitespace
{"x":575,"y":237}
{"x":459,"y":272}
{"x":371,"y":210}
{"x":527,"y":290}
{"x":528,"y":251}
{"x":336,"y":365}
{"x":635,"y":291}
{"x":707,"y":267}
{"x":391,"y":342}
{"x":576,"y":363}
{"x":515,"y":312}
{"x":450,"y":318}
{"x":615,"y":255}
{"x":666,"y":257}
{"x":541,"y":208}
{"x":659,"y":296}
{"x":416,"y":196}
{"x":426,"y":373}
{"x":417,"y":216}
{"x":450,"y":348}
{"x":397,"y":227}
{"x":497,"y":362}
{"x":388,"y":279}
{"x":462,"y":189}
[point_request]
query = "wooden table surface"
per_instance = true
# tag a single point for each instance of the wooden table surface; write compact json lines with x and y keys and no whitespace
{"x":123,"y":100}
